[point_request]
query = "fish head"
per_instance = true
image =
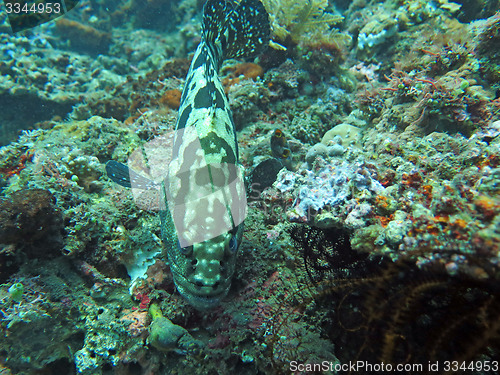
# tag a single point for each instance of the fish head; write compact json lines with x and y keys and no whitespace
{"x":203,"y":271}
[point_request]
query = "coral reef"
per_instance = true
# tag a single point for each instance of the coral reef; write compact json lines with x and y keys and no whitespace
{"x":83,"y":37}
{"x":373,"y":131}
{"x":30,"y":225}
{"x":49,"y":296}
{"x":487,"y":49}
{"x":395,"y":312}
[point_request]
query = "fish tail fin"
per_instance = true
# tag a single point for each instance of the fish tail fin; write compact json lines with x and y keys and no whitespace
{"x":237,"y":29}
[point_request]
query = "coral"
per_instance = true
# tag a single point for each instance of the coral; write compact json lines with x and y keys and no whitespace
{"x":74,"y":166}
{"x":395,"y":196}
{"x":16,"y":164}
{"x":107,"y":339}
{"x":83,"y":37}
{"x":487,"y":48}
{"x":320,"y":194}
{"x":84,"y":169}
{"x":376,"y":32}
{"x":318,"y":150}
{"x":304,"y":32}
{"x":171,"y":98}
{"x":35,"y":316}
{"x":287,"y":80}
{"x":395,"y":230}
{"x":116,"y":108}
{"x":487,"y":206}
{"x":301,"y":21}
{"x":309,"y":125}
{"x":96,"y":137}
{"x":448,"y":103}
{"x":31,"y":222}
{"x":248,"y":70}
{"x":322,"y":59}
{"x":241,"y":71}
{"x":348,"y":134}
{"x":137,"y":262}
{"x":166,"y":336}
{"x":249,"y":100}
{"x":138,"y":323}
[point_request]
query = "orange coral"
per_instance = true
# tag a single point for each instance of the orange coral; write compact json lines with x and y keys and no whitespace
{"x":459,"y":223}
{"x":246,"y":70}
{"x":171,"y":98}
{"x":249,"y":70}
{"x":441,"y":219}
{"x":384,"y":220}
{"x":459,"y":229}
{"x":487,"y":206}
{"x":381,"y":201}
{"x":427,"y":191}
{"x":432,"y":229}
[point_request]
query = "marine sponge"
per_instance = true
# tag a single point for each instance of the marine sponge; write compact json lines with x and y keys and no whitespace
{"x":171,"y":98}
{"x":83,"y":37}
{"x":167,"y":336}
{"x":247,"y":70}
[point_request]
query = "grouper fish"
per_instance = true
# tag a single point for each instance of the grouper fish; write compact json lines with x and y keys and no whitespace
{"x":203,"y":191}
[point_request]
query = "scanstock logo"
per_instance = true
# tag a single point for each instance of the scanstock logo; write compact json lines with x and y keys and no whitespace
{"x":26,"y":14}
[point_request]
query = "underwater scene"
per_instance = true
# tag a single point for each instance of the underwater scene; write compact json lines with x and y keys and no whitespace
{"x":249,"y":187}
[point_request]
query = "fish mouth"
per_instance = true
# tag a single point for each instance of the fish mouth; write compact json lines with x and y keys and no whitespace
{"x":201,"y":297}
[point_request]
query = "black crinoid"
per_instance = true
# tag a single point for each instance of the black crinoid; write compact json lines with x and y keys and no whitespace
{"x":377,"y":309}
{"x":326,"y":252}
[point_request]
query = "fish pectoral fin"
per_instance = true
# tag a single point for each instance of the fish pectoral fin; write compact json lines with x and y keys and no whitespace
{"x":126,"y":177}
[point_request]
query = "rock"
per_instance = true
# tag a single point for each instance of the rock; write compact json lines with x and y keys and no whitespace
{"x":30,"y":223}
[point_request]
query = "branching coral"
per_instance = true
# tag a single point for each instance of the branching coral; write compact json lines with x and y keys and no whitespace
{"x":301,"y":21}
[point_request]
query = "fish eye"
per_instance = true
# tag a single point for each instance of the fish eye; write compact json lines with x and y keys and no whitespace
{"x":286,"y":153}
{"x":233,"y":244}
{"x":184,"y":250}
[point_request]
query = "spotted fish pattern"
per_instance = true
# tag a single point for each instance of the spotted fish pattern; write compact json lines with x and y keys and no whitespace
{"x":204,"y":193}
{"x":204,"y":189}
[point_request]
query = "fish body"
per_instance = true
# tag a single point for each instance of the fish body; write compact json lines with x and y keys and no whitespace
{"x":204,"y":193}
{"x":205,"y":190}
